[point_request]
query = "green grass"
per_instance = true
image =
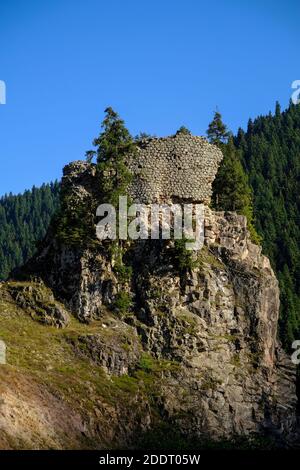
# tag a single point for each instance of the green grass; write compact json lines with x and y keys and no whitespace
{"x":46,"y":354}
{"x":205,"y":257}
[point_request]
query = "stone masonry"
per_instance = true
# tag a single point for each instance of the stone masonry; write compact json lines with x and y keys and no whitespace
{"x":180,"y":168}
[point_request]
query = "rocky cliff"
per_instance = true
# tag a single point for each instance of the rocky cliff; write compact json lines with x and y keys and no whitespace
{"x":128,"y":350}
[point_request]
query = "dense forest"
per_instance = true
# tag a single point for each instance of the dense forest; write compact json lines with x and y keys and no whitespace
{"x":259,"y":177}
{"x":24,"y":220}
{"x":270,"y":154}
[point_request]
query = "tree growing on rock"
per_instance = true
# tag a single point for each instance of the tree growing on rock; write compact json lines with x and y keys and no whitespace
{"x":112,"y":146}
{"x":231,"y":189}
{"x":183,"y":130}
{"x":217,"y":132}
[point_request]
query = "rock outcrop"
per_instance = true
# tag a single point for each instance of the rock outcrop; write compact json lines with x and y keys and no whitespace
{"x":212,"y":327}
{"x":38,"y":301}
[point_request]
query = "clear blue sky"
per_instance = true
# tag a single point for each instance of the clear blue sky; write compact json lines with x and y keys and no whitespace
{"x":159,"y":63}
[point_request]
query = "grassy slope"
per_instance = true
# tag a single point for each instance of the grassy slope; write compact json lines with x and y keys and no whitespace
{"x":58,"y":398}
{"x":44,"y":357}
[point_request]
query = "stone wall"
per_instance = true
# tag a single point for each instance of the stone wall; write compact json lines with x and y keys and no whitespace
{"x":180,"y":168}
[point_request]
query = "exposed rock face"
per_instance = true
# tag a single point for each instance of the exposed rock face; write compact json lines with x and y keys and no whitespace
{"x":213,"y":326}
{"x":116,"y":348}
{"x":39,"y":302}
{"x":220,"y":323}
{"x":181,"y":167}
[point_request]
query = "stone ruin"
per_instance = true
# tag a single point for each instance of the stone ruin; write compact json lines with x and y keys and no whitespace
{"x":166,"y":170}
{"x":176,"y":169}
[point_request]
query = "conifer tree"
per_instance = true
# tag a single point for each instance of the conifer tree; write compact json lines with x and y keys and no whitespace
{"x":113,"y":145}
{"x":183,"y":130}
{"x":270,"y":150}
{"x":277,"y":110}
{"x":115,"y":141}
{"x":217,"y":132}
{"x":231,"y":190}
{"x":24,"y":220}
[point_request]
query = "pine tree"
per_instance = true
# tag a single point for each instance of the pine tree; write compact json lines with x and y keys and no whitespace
{"x":231,"y":190}
{"x":113,"y":145}
{"x":183,"y":130}
{"x":277,"y":110}
{"x":115,"y":141}
{"x":270,"y":150}
{"x":24,"y":220}
{"x":217,"y":132}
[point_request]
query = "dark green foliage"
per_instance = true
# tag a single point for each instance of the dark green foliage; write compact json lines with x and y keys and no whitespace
{"x":123,"y":302}
{"x":115,"y":141}
{"x":147,"y":364}
{"x":183,"y":130}
{"x":270,"y":152}
{"x":118,"y":251}
{"x":231,"y":189}
{"x":113,"y":145}
{"x":74,"y":223}
{"x":143,"y":136}
{"x":182,"y":256}
{"x":217,"y":132}
{"x":24,"y":220}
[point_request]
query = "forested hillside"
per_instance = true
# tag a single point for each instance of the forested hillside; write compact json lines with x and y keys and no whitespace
{"x":270,"y":153}
{"x":24,"y":220}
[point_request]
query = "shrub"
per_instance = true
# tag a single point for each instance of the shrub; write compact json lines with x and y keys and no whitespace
{"x":123,"y":302}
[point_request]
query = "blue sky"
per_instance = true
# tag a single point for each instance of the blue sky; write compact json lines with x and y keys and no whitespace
{"x":159,"y":63}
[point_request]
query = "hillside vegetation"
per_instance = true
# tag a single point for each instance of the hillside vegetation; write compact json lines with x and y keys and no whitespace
{"x":24,"y":220}
{"x":270,"y":153}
